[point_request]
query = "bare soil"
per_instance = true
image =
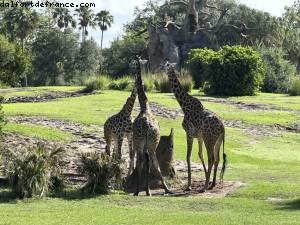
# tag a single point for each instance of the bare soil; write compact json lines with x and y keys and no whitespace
{"x":90,"y":138}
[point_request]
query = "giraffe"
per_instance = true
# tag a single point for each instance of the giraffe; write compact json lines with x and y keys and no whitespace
{"x":202,"y":124}
{"x":118,"y":126}
{"x":146,"y":136}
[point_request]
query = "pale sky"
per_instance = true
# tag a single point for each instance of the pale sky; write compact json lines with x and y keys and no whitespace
{"x":123,"y":10}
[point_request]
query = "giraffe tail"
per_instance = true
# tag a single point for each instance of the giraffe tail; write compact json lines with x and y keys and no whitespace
{"x":224,"y":161}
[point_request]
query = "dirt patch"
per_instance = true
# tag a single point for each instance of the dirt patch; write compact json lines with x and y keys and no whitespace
{"x":90,"y":138}
{"x":257,"y":130}
{"x":45,"y":97}
{"x":248,"y":106}
{"x":219,"y":191}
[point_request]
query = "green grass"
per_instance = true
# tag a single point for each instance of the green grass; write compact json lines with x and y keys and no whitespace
{"x":96,"y":109}
{"x":38,"y":132}
{"x":33,"y":91}
{"x":118,"y":209}
{"x":269,"y":167}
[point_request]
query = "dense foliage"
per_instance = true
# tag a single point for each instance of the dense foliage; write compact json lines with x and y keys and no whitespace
{"x":294,"y":89}
{"x":279,"y":71}
{"x":102,"y":172}
{"x":12,"y":63}
{"x":34,"y":171}
{"x":2,"y":118}
{"x":233,"y":70}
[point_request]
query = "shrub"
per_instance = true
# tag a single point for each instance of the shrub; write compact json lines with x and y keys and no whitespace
{"x":96,"y":83}
{"x":162,"y":84}
{"x":33,"y":172}
{"x":149,"y":82}
{"x":12,"y":63}
{"x":295,"y":87}
{"x":198,"y":64}
{"x":101,"y":171}
{"x":2,"y":118}
{"x":123,"y":83}
{"x":278,"y":70}
{"x":234,"y":70}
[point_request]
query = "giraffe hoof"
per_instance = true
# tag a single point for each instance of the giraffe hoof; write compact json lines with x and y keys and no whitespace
{"x":202,"y":190}
{"x":189,"y":188}
{"x":169,"y":192}
{"x":211,"y":186}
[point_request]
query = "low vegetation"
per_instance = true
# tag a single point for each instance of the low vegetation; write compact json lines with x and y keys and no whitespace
{"x":102,"y":172}
{"x":34,"y":171}
{"x":2,"y":118}
{"x":295,"y":87}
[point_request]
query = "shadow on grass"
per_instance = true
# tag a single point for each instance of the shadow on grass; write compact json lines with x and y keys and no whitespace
{"x":290,"y":205}
{"x":6,"y":195}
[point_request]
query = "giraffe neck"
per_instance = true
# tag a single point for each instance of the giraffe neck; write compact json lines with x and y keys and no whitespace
{"x":181,"y":95}
{"x":128,"y":106}
{"x":143,"y":100}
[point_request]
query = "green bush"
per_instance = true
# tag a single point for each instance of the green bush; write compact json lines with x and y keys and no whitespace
{"x":234,"y":70}
{"x":162,"y":84}
{"x":278,"y":70}
{"x":102,"y":172}
{"x":198,"y":64}
{"x":2,"y":118}
{"x":34,"y":171}
{"x":123,"y":83}
{"x":12,"y":63}
{"x":149,"y":82}
{"x":294,"y":89}
{"x":97,"y":83}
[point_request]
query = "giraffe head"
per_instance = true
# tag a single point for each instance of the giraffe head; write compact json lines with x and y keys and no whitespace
{"x":169,"y":68}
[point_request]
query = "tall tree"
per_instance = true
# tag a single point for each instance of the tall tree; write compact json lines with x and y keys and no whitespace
{"x":63,"y":18}
{"x":104,"y":20}
{"x":86,"y":19}
{"x":291,"y":23}
{"x":20,"y":23}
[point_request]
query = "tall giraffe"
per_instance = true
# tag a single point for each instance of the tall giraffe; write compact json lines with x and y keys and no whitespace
{"x":146,"y":136}
{"x":118,"y":126}
{"x":202,"y":124}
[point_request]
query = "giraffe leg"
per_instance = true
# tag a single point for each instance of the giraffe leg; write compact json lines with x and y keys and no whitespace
{"x":200,"y":154}
{"x":155,"y":164}
{"x":138,"y":147}
{"x":188,"y":159}
{"x":210,"y":155}
{"x":147,"y":159}
{"x":216,"y":160}
{"x":108,"y":139}
{"x":131,"y":153}
{"x":119,"y":147}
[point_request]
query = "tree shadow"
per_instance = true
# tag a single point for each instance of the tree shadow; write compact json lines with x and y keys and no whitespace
{"x":290,"y":205}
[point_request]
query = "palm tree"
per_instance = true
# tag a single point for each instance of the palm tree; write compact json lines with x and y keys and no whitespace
{"x":86,"y":18}
{"x":20,"y":22}
{"x":63,"y":18}
{"x":104,"y":20}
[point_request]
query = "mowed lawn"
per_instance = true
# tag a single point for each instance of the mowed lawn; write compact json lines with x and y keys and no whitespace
{"x":268,"y":165}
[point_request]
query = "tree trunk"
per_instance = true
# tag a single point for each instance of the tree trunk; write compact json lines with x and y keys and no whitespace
{"x":101,"y":39}
{"x":164,"y":154}
{"x":25,"y":75}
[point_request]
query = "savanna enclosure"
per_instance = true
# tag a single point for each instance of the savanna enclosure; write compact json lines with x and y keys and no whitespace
{"x":64,"y":96}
